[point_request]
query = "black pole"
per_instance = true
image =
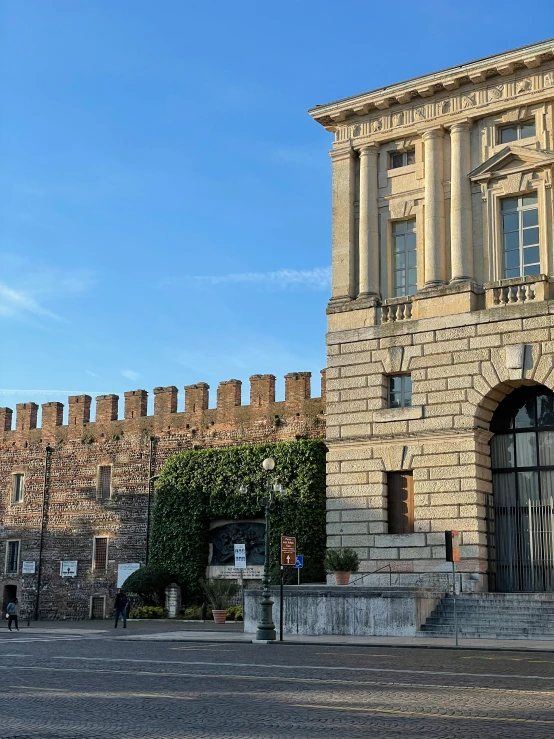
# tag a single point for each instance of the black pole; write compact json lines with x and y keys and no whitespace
{"x":149,"y":501}
{"x":281,"y":609}
{"x":47,"y":459}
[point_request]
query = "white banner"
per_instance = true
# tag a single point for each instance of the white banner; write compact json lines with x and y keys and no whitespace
{"x":124,"y":570}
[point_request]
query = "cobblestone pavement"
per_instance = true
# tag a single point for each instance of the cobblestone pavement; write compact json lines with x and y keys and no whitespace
{"x":93,"y":685}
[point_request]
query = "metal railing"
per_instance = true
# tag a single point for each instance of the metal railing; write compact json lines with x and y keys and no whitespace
{"x":374,"y":572}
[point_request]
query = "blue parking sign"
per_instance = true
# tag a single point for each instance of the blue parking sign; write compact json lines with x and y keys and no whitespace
{"x":299,"y":561}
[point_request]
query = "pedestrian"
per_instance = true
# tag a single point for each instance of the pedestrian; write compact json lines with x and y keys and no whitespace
{"x":120,"y":608}
{"x":12,"y":614}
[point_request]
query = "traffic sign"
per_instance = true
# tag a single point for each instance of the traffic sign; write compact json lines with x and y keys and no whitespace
{"x":299,"y":561}
{"x":288,"y":550}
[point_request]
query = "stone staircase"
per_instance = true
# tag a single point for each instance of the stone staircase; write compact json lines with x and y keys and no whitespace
{"x":494,"y":616}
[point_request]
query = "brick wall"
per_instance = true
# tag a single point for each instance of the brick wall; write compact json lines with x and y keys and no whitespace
{"x":67,"y":459}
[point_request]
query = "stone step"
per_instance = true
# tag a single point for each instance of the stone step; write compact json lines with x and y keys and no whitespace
{"x":495,"y":615}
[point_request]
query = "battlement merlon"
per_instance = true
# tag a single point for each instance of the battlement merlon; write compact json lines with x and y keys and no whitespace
{"x":229,"y":409}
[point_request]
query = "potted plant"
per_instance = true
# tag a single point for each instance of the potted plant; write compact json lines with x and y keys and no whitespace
{"x":220,"y":594}
{"x":342,"y":562}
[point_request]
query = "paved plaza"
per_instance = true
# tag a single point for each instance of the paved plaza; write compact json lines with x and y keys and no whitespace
{"x":87,"y":681}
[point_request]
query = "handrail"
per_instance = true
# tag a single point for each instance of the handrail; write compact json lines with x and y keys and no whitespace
{"x":379,"y":569}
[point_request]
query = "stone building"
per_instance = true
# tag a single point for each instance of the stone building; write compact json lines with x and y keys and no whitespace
{"x":79,"y":497}
{"x":440,"y":325}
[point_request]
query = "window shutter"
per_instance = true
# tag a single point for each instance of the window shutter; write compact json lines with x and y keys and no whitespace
{"x":400,"y":503}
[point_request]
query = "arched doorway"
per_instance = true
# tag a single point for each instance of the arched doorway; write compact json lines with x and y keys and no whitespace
{"x":521,"y":517}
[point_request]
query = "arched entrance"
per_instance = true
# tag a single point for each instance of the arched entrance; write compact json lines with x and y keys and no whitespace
{"x":521,"y":532}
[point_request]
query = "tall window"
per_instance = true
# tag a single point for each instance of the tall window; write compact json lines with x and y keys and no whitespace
{"x":104,"y":490}
{"x":100,"y":552}
{"x":520,"y":235}
{"x":404,"y":266}
{"x":516,"y":131}
{"x":400,"y":502}
{"x":400,"y":391}
{"x":12,"y":557}
{"x":17,"y":488}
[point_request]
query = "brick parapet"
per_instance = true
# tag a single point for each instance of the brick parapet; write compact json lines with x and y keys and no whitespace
{"x":297,"y":415}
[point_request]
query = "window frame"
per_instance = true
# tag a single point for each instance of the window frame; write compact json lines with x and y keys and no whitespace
{"x":405,"y":154}
{"x":517,"y":126}
{"x":403,"y":391}
{"x":15,"y":477}
{"x":94,"y":551}
{"x":99,"y":482}
{"x":519,"y":211}
{"x":409,"y":288}
{"x":400,"y":522}
{"x":7,"y":560}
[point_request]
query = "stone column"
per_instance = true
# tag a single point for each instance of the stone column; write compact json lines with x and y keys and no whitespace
{"x":369,"y":222}
{"x":435,"y":262}
{"x":344,"y":243}
{"x":461,"y":241}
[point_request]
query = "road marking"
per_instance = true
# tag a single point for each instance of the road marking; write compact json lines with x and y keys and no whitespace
{"x":302,"y":680}
{"x":443,"y":716}
{"x":360,"y":654}
{"x":68,"y":693}
{"x":308,"y":667}
{"x":32,"y":687}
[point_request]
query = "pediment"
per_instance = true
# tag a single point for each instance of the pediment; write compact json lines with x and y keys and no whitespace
{"x":512,"y":159}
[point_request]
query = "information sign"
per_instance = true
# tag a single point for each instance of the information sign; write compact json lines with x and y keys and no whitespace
{"x":28,"y":568}
{"x":288,"y":550}
{"x":240,"y":556}
{"x":68,"y":569}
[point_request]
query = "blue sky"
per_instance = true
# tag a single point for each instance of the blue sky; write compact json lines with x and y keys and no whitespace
{"x":164,"y":195}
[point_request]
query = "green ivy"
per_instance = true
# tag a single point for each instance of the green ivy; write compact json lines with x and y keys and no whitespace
{"x":196,"y":487}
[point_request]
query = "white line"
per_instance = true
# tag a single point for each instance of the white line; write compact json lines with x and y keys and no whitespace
{"x":303,"y":680}
{"x":307,"y":667}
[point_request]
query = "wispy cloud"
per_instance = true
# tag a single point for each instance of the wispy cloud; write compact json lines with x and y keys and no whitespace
{"x":26,"y":288}
{"x":14,"y":302}
{"x":130,"y":374}
{"x":318,"y":278}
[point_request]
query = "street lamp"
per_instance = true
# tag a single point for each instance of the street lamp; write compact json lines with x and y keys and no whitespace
{"x":266,"y":627}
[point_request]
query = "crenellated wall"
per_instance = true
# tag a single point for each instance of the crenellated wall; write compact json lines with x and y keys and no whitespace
{"x":296,"y":413}
{"x":60,"y":463}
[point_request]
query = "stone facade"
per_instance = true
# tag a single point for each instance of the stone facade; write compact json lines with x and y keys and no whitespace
{"x":468,"y":333}
{"x":62,"y":510}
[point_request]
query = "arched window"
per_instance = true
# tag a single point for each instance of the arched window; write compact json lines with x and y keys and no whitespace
{"x":522,"y":448}
{"x":521,"y":517}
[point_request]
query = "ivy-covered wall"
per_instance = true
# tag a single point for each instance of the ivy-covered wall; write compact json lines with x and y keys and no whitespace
{"x":196,"y":487}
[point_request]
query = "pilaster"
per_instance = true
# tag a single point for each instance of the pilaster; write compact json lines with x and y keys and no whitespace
{"x":435,"y":261}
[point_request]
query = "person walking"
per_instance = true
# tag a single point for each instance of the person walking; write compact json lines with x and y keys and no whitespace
{"x":120,"y":608}
{"x":12,"y":614}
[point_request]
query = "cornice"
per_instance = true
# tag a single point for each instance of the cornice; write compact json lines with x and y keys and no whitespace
{"x":489,"y":74}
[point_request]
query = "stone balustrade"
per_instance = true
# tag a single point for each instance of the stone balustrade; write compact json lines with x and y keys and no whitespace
{"x":397,"y":309}
{"x":516,"y":290}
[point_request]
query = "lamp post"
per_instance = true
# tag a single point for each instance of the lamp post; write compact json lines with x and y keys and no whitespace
{"x":266,"y":627}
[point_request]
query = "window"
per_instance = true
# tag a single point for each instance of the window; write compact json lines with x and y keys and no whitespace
{"x":104,"y":489}
{"x":400,"y":502}
{"x":401,"y":158}
{"x":516,"y":131}
{"x":400,"y":391}
{"x":100,"y":552}
{"x":404,"y":258}
{"x":520,"y":235}
{"x":12,"y":557}
{"x":17,"y":487}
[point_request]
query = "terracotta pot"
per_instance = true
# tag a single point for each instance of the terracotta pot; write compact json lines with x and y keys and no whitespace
{"x":220,"y":616}
{"x":342,"y":578}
